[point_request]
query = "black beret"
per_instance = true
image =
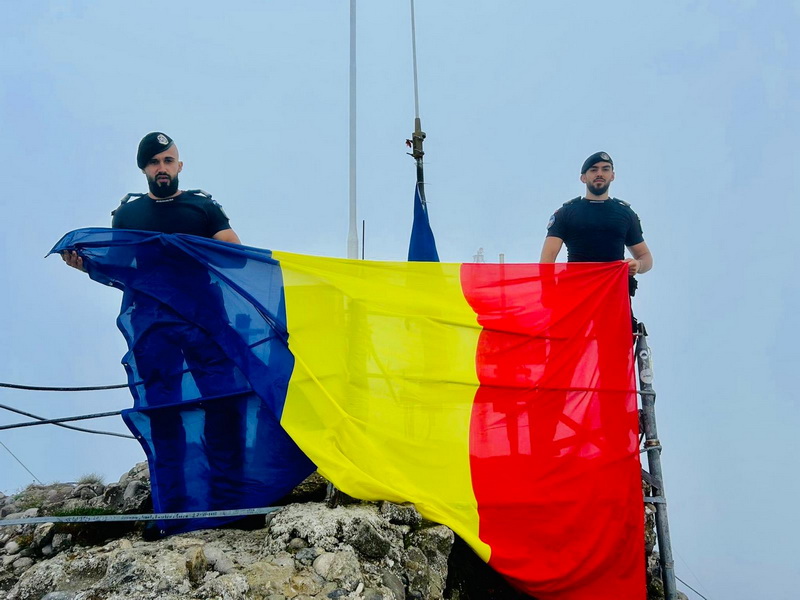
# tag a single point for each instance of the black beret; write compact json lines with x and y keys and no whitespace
{"x":594,"y":159}
{"x":152,"y":144}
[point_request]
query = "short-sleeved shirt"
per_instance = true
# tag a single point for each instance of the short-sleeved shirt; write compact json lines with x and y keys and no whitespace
{"x":190,"y":212}
{"x":596,"y":231}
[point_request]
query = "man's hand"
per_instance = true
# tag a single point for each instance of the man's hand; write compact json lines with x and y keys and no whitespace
{"x":633,"y":266}
{"x":73,"y":260}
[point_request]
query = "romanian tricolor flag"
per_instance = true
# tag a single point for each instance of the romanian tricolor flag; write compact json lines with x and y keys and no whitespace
{"x":499,"y":399}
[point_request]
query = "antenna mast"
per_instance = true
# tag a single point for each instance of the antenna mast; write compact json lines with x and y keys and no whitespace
{"x":352,"y":236}
{"x":418,"y":136}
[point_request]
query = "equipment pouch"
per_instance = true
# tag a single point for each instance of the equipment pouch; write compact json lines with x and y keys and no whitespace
{"x":632,"y":286}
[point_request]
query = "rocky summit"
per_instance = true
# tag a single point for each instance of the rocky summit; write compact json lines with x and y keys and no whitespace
{"x":309,"y":549}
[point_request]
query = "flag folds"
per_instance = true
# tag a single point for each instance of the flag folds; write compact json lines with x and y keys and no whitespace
{"x":422,"y":246}
{"x":498,"y":398}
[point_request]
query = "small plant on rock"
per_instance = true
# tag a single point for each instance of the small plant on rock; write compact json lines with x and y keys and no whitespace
{"x":91,"y":478}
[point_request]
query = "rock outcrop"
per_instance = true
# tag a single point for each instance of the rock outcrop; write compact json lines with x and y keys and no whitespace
{"x":307,"y":550}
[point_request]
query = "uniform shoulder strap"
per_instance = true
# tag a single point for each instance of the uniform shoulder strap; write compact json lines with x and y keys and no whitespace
{"x":125,"y":199}
{"x":128,"y":197}
{"x":573,"y":201}
{"x":622,"y":202}
{"x":199,"y":193}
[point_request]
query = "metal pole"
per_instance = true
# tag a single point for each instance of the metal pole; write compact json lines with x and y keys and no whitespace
{"x":352,"y":236}
{"x":653,"y":447}
{"x":416,"y":151}
{"x":418,"y":136}
{"x":333,"y":495}
{"x":414,"y":59}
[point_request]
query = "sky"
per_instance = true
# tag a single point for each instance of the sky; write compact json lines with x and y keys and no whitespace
{"x":694,"y":100}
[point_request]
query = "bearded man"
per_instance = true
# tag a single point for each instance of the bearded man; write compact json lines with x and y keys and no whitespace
{"x":165,"y":208}
{"x":173,"y":356}
{"x":595,"y":227}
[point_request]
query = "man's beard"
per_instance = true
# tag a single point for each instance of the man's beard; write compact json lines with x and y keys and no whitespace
{"x":163,"y":190}
{"x":599,"y":190}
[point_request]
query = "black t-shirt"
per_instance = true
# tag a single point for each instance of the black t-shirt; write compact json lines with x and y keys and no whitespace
{"x":190,"y":212}
{"x":596,"y":231}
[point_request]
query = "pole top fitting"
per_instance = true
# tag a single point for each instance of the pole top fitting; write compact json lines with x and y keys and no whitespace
{"x":415,"y":143}
{"x":416,"y":140}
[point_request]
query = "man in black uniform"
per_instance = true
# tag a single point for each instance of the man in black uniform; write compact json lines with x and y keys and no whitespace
{"x":165,"y":208}
{"x":164,"y":339}
{"x":597,"y":228}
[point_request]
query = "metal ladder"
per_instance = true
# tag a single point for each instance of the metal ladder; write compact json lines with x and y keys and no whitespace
{"x":654,"y":476}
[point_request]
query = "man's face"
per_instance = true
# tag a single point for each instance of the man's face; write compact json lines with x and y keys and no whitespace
{"x":162,"y":173}
{"x":598,"y":178}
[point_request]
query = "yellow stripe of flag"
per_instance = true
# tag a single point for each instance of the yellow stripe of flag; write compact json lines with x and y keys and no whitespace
{"x":384,"y":381}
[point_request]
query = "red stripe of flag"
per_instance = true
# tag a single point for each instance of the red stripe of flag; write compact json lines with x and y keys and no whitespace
{"x":555,"y":470}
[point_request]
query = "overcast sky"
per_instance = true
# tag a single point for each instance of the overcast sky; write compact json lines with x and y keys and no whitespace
{"x":696,"y":101}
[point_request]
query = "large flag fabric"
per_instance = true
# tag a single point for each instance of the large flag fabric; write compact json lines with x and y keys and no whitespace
{"x":499,"y":399}
{"x":422,"y":246}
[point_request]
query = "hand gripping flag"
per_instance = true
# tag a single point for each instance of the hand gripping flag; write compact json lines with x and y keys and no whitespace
{"x":499,"y":399}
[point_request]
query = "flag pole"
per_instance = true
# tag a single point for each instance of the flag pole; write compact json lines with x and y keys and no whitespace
{"x":333,"y":496}
{"x":418,"y":136}
{"x":422,"y":246}
{"x":352,"y":236}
